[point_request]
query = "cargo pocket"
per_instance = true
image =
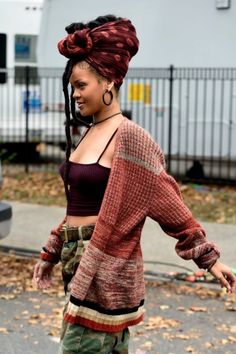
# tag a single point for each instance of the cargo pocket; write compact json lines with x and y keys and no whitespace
{"x":70,"y":341}
{"x":70,"y":258}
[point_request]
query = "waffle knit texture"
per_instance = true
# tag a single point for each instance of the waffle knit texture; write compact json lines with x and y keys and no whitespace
{"x":107,"y":291}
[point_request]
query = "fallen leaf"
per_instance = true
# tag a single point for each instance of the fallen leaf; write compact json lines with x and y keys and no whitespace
{"x":231,"y":308}
{"x":4,"y":330}
{"x":25,"y":312}
{"x":164,"y":307}
{"x":226,"y":328}
{"x":232,"y":339}
{"x":160,"y":322}
{"x":198,"y":309}
{"x":182,"y":336}
{"x":208,"y":345}
{"x":181,"y":308}
{"x":147,"y":345}
{"x":7,"y":296}
{"x":224,"y":341}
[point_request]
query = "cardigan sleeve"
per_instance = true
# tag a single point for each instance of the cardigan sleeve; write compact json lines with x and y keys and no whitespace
{"x":53,"y":246}
{"x":168,"y":209}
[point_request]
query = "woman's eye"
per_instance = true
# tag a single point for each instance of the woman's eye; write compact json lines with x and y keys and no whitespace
{"x":81,"y":85}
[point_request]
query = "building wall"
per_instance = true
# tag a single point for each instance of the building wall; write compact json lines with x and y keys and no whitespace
{"x":183,"y":33}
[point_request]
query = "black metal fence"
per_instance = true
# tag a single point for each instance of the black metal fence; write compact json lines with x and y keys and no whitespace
{"x":190,"y":112}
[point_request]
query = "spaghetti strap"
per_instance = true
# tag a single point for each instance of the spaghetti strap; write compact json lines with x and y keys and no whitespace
{"x":85,"y":133}
{"x":107,"y":144}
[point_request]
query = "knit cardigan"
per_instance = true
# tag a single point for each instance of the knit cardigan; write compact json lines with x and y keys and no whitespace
{"x":107,"y":291}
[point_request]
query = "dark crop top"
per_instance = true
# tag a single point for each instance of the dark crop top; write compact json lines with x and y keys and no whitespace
{"x":87,"y":185}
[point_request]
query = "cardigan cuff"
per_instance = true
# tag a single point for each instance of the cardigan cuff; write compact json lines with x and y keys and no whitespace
{"x":207,"y":260}
{"x":47,"y":256}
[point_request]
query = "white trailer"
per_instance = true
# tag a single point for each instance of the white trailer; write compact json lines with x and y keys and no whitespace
{"x":185,"y":33}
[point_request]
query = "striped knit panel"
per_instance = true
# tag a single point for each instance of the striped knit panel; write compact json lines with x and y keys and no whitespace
{"x":109,"y":321}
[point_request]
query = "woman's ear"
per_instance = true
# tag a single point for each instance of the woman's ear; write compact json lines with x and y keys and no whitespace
{"x":110,"y":85}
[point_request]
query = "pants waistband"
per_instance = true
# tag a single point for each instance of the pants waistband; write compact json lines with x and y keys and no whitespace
{"x":74,"y":233}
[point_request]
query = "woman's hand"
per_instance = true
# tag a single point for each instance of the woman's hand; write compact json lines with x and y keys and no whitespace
{"x":225,"y":276}
{"x":42,"y":277}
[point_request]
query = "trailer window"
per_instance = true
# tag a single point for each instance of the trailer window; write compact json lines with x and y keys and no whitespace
{"x":25,"y":48}
{"x":3,"y":56}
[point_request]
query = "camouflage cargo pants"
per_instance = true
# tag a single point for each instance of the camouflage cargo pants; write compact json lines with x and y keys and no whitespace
{"x":76,"y":339}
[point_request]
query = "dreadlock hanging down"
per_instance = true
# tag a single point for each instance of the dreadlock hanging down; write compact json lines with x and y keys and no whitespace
{"x":65,"y":82}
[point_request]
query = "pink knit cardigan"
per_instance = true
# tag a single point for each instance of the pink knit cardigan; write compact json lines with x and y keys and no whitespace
{"x":108,"y":289}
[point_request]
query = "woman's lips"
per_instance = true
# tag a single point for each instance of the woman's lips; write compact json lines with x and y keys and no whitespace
{"x":80,"y":105}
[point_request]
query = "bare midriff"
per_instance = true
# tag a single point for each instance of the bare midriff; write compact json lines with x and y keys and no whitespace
{"x":81,"y":220}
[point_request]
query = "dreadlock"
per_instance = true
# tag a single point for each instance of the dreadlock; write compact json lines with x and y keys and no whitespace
{"x":65,"y":81}
{"x":102,"y":20}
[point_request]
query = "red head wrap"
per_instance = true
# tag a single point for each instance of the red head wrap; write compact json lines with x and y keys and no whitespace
{"x":107,"y":48}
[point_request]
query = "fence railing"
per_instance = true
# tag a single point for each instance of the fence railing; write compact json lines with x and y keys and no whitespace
{"x":190,"y":112}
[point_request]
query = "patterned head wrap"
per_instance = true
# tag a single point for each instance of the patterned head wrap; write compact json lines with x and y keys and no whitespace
{"x":107,"y":48}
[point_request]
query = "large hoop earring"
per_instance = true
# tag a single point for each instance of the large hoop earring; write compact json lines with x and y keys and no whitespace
{"x":111,"y":97}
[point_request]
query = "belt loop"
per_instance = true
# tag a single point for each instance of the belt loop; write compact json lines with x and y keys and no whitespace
{"x":80,"y":232}
{"x":66,"y":236}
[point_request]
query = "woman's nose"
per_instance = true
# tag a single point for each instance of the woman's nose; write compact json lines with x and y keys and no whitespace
{"x":76,"y":94}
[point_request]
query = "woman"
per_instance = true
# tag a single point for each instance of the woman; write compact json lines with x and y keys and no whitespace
{"x":117,"y":178}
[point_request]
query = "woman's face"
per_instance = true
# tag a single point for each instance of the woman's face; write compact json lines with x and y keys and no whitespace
{"x":88,"y":89}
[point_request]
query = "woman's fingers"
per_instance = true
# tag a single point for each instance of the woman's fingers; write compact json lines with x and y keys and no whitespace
{"x":224,"y":275}
{"x":44,"y":284}
{"x":42,"y":275}
{"x":224,"y":283}
{"x":233,"y":283}
{"x":36,"y":269}
{"x":231,"y":280}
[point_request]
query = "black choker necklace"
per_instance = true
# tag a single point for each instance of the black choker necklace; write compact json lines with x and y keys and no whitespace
{"x":100,"y":121}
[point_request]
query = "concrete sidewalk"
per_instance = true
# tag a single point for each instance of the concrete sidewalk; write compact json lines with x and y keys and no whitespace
{"x":32,"y":223}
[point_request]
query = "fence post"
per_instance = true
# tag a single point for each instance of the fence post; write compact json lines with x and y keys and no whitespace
{"x":27,"y":93}
{"x":171,"y":79}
